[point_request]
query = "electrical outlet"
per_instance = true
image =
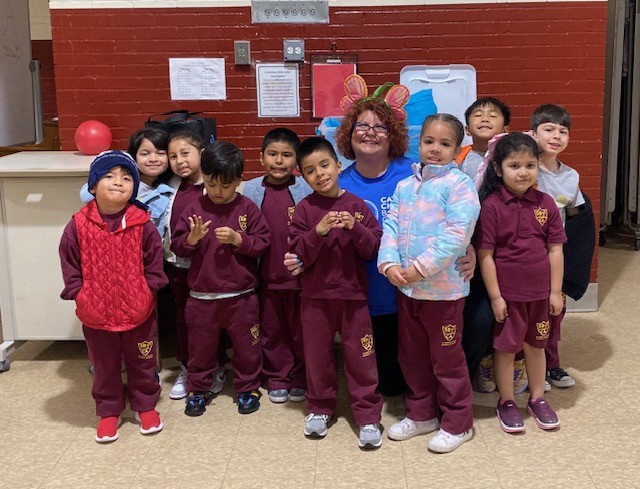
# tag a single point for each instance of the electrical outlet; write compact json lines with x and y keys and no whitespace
{"x":294,"y":50}
{"x":242,"y":52}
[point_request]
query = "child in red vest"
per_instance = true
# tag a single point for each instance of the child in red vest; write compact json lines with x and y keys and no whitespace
{"x":111,"y":256}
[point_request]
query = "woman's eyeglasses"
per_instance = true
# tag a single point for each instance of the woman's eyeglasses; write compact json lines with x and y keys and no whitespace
{"x":363,"y":127}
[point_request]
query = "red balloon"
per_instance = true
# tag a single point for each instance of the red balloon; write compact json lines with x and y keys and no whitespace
{"x":93,"y":137}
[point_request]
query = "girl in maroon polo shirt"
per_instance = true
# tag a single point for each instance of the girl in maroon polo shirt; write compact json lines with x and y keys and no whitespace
{"x":519,"y":239}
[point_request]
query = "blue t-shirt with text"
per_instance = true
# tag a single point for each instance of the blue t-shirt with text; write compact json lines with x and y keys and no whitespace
{"x":377,"y":193}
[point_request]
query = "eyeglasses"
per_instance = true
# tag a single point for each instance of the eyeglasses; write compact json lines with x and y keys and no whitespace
{"x":363,"y":127}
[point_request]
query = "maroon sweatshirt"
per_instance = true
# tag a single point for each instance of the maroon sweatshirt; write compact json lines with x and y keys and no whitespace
{"x":334,"y":264}
{"x":219,"y":268}
{"x":185,"y":195}
{"x":277,"y":208}
{"x":70,"y":255}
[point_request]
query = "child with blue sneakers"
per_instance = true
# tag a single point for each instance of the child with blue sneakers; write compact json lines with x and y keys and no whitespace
{"x":277,"y":193}
{"x":223,"y":233}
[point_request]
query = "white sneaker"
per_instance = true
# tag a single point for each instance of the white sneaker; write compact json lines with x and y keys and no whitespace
{"x":547,"y":386}
{"x":316,"y":425}
{"x":179,"y":389}
{"x":445,"y":442}
{"x":407,"y":428}
{"x":218,"y":381}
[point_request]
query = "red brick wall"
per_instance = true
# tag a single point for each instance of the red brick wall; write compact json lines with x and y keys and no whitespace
{"x":112,"y":64}
{"x":42,"y":50}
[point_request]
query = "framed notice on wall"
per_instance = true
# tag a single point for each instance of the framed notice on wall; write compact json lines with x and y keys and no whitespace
{"x":278,"y":90}
{"x":327,"y":84}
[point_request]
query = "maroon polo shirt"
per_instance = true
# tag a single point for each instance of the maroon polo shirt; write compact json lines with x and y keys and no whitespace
{"x":519,"y":229}
{"x":277,"y":208}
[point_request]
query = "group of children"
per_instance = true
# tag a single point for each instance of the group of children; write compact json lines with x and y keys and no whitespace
{"x":223,"y":254}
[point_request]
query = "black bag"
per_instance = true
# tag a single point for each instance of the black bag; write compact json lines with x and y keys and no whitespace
{"x":180,"y":120}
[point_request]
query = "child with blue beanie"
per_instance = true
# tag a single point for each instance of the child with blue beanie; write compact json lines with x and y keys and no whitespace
{"x":111,"y":257}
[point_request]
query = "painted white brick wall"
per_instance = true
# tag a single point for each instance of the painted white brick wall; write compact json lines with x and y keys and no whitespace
{"x":39,"y":20}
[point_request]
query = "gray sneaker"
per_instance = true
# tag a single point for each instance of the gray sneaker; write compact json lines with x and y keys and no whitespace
{"x":296,"y":394}
{"x":370,"y":436}
{"x":316,"y":425}
{"x":218,"y":381}
{"x":278,"y":395}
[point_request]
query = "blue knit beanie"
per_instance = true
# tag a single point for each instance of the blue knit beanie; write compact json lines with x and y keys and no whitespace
{"x":105,"y":161}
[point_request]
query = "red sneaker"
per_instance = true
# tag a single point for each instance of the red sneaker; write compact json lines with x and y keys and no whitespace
{"x":107,"y":429}
{"x":150,"y":422}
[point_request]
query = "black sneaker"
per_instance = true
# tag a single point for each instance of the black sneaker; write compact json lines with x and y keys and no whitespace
{"x":249,"y":402}
{"x":560,"y":378}
{"x":197,"y":403}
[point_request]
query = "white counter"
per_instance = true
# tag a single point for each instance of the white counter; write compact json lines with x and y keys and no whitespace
{"x":38,"y":195}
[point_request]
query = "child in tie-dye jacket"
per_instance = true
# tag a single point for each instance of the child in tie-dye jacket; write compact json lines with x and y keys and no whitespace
{"x":427,"y":228}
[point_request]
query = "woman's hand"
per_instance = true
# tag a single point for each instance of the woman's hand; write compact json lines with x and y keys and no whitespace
{"x":466,"y":264}
{"x":293,"y":264}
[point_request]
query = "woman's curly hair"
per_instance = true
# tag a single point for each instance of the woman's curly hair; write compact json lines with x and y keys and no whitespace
{"x":398,"y":134}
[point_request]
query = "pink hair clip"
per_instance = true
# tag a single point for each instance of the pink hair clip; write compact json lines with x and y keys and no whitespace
{"x":395,"y":96}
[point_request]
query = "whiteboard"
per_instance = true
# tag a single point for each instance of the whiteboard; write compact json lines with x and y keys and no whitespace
{"x":17,"y":122}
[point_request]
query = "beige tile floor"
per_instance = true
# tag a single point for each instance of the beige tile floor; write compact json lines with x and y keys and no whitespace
{"x":47,"y":425}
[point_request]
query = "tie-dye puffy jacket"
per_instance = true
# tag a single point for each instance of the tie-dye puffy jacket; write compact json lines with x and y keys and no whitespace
{"x":429,"y":225}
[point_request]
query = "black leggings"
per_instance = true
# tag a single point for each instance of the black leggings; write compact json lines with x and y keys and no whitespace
{"x":478,"y":324}
{"x":385,"y":335}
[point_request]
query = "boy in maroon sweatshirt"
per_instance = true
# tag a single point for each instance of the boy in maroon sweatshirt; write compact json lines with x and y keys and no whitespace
{"x":223,"y":233}
{"x":114,"y":291}
{"x":334,"y":232}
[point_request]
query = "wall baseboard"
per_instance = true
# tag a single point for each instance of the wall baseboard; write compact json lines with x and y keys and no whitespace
{"x":587,"y":303}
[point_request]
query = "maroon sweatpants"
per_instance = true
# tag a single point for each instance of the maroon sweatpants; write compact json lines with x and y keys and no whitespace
{"x":205,"y":320}
{"x":281,"y":335}
{"x":433,"y":362}
{"x":321,"y":319}
{"x":551,"y":351}
{"x":137,"y":348}
{"x":180,"y":290}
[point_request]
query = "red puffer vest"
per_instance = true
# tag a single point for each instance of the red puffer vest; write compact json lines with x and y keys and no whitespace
{"x":115,"y":295}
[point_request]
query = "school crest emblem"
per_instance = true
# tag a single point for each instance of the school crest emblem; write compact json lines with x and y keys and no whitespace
{"x":290,"y":211}
{"x":255,"y":332}
{"x":541,"y":215}
{"x":449,"y":333}
{"x":358,"y":216}
{"x":145,"y":348}
{"x":242,"y":222}
{"x":367,"y":344}
{"x":543,"y":330}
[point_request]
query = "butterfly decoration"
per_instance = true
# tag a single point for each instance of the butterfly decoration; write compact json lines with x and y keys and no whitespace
{"x":395,"y":96}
